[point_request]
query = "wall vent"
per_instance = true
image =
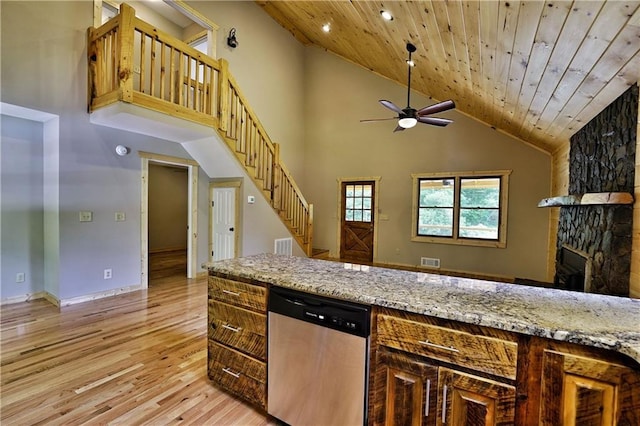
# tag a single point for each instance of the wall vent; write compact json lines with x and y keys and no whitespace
{"x":283,"y":246}
{"x":430,"y":262}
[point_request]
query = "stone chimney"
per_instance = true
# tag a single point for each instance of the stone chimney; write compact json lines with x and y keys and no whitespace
{"x":602,"y":159}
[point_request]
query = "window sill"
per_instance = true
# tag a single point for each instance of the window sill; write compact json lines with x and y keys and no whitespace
{"x":460,"y":242}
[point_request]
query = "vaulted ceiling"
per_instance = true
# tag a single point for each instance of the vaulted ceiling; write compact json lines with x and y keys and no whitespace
{"x":538,"y":70}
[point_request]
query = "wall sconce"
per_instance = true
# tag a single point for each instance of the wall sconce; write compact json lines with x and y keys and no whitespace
{"x":231,"y":40}
{"x":122,"y":150}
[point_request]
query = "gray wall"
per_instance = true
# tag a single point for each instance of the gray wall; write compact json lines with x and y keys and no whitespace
{"x":270,"y":69}
{"x":168,"y":207}
{"x":338,"y":94}
{"x":44,"y":68}
{"x":21,"y":195}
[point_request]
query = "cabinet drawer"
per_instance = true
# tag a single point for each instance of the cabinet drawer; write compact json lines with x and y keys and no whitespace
{"x":480,"y":353}
{"x":243,"y":329}
{"x":238,"y":293}
{"x":238,"y":373}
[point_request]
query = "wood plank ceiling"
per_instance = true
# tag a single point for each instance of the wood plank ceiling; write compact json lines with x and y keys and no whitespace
{"x":538,"y":70}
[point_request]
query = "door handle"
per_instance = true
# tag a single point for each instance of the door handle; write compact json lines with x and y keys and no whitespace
{"x":231,"y":229}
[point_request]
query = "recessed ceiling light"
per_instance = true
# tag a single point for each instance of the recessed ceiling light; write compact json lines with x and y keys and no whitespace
{"x":387,"y":16}
{"x":326,"y":28}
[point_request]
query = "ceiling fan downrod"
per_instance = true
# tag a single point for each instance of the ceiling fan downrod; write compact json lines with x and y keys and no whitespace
{"x":410,"y":48}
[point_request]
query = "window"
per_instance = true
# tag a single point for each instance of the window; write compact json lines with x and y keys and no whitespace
{"x":357,"y":201}
{"x":461,"y":208}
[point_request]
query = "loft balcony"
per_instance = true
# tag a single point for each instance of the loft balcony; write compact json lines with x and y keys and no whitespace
{"x":140,"y":76}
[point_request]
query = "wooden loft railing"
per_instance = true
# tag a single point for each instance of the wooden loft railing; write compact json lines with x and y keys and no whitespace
{"x":131,"y":61}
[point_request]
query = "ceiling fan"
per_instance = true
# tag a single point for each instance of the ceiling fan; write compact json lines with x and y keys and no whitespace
{"x":409,"y":117}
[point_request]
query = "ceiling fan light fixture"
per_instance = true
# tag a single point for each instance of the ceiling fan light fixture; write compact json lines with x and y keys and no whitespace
{"x":407,"y":122}
{"x":386,"y":15}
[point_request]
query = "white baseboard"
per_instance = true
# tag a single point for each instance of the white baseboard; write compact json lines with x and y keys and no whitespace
{"x":23,"y":298}
{"x":99,"y":295}
{"x":71,"y":301}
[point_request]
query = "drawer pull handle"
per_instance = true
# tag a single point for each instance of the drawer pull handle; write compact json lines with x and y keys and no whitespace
{"x":444,"y":404}
{"x":232,"y":293}
{"x":427,"y":392}
{"x":234,"y":329}
{"x":231,"y":373}
{"x":433,"y":345}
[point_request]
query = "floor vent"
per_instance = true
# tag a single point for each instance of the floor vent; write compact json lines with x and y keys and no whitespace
{"x":283,"y":246}
{"x":430,"y":262}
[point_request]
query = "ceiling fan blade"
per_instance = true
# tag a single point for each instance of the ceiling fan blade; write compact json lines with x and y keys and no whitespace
{"x":371,"y":120}
{"x":391,"y":106}
{"x":435,"y":121}
{"x":435,"y":108}
{"x":398,"y":129}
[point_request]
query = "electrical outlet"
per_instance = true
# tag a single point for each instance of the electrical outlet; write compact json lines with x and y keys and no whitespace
{"x":86,"y":216}
{"x":20,"y":277}
{"x":120,"y":217}
{"x":107,"y":274}
{"x":136,"y":69}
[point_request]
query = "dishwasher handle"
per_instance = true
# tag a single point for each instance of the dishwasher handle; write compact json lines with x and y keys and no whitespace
{"x":296,"y":302}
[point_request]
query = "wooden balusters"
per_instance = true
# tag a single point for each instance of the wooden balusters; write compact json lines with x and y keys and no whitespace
{"x":131,"y":61}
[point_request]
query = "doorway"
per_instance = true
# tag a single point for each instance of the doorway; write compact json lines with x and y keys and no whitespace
{"x":192,"y":214}
{"x":358,"y":219}
{"x":224,"y":222}
{"x":168,"y":220}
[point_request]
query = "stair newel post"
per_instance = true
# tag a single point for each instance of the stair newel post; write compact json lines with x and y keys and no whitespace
{"x":276,"y":178}
{"x":223,"y":90}
{"x":92,"y":56}
{"x":309,"y":239}
{"x":125,"y":61}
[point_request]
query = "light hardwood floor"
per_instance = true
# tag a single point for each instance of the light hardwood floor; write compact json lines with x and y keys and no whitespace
{"x":136,"y":358}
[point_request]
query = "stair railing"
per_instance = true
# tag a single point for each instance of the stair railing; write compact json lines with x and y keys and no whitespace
{"x":131,"y":61}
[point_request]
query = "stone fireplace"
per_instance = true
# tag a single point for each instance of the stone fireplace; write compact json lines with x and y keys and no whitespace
{"x":573,"y":270}
{"x":602,"y":159}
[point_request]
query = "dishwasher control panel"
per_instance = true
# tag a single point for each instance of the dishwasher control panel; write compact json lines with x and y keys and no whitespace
{"x":336,"y":321}
{"x":337,"y":314}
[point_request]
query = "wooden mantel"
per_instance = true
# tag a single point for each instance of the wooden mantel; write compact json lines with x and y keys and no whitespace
{"x":591,"y":198}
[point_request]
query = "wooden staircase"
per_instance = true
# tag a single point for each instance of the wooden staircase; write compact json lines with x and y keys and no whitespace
{"x":131,"y":61}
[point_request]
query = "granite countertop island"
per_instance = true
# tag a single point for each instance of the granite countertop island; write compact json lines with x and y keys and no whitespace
{"x":588,"y":319}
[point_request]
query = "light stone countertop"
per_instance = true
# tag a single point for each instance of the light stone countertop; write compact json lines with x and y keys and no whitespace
{"x":589,"y":319}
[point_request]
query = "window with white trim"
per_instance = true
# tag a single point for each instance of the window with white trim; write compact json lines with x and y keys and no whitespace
{"x":461,"y":208}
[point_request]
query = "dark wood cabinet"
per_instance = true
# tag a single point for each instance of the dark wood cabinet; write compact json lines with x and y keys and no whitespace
{"x":407,"y":390}
{"x":237,"y":342}
{"x":584,"y":390}
{"x":425,"y":374}
{"x":469,"y":400}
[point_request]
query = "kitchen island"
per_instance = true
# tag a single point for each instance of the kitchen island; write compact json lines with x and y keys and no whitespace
{"x":518,"y":354}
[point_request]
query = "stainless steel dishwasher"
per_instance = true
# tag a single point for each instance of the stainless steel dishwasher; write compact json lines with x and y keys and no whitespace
{"x":318,"y":350}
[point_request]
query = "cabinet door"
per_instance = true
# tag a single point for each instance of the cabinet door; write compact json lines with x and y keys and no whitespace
{"x":467,"y":400}
{"x":408,"y":391}
{"x":583,"y":391}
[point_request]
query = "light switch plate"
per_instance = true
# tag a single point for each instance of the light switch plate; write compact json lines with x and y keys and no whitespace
{"x":251,"y":199}
{"x":86,"y":216}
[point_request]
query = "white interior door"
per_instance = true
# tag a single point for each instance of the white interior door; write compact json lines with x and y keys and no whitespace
{"x":224,"y":223}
